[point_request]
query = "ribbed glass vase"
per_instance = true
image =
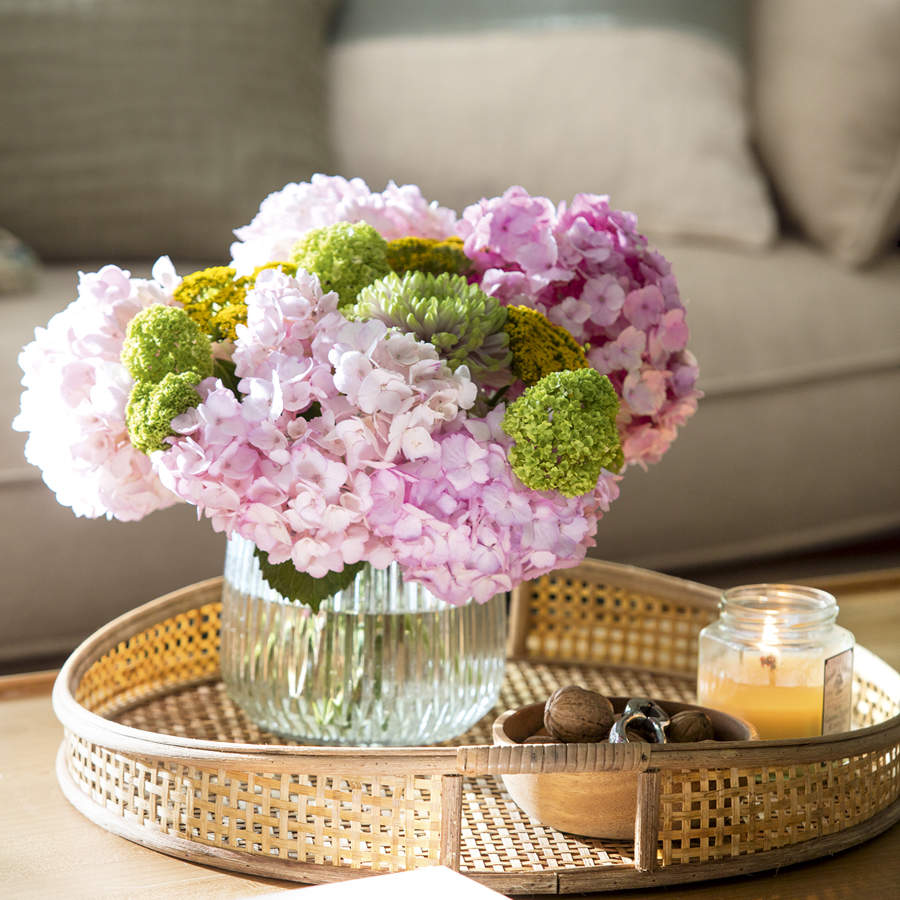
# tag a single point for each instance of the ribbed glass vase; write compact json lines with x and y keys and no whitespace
{"x":381,"y":663}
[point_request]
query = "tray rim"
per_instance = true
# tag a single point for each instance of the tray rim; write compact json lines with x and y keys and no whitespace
{"x":470,"y":759}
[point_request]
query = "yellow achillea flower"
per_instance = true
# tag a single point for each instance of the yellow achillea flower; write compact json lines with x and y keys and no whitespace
{"x":216,"y":300}
{"x":539,"y":347}
{"x":435,"y":257}
{"x":288,"y":268}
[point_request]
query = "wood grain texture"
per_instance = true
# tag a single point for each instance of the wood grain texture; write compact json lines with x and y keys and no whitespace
{"x":28,"y":684}
{"x":451,"y":820}
{"x":646,"y":823}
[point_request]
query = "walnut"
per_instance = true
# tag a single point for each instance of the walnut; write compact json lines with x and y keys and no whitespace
{"x":690,"y":726}
{"x":540,"y":737}
{"x":574,"y":714}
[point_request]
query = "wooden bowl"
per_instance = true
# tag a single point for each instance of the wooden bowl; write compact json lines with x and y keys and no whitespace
{"x":594,"y":804}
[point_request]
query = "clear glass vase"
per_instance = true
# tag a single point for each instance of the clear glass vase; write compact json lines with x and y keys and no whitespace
{"x":382,"y":662}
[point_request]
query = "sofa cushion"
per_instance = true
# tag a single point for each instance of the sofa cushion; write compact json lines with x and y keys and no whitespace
{"x":135,"y":128}
{"x":826,"y":91}
{"x":794,"y":445}
{"x":580,"y":97}
{"x":792,"y":316}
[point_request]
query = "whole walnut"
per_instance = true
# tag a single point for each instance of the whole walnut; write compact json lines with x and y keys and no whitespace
{"x":574,"y":714}
{"x":690,"y":726}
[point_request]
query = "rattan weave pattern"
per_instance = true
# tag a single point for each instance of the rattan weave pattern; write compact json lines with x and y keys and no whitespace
{"x":872,"y":703}
{"x":179,"y":650}
{"x":580,"y":615}
{"x":152,"y":765}
{"x":381,"y":823}
{"x":498,"y":837}
{"x":714,"y":814}
{"x":205,"y":711}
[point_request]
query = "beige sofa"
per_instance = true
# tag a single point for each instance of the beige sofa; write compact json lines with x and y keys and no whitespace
{"x":774,"y":197}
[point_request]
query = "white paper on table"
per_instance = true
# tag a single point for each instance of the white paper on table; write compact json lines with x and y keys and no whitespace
{"x":431,"y":882}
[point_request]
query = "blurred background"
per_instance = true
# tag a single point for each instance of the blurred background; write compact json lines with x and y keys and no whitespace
{"x":758,"y":142}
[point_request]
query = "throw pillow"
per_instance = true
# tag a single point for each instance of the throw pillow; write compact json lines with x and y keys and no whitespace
{"x":134,"y":128}
{"x":827,"y":99}
{"x":18,"y":265}
{"x":641,"y":101}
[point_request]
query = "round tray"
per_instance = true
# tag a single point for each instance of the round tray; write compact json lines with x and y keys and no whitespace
{"x":155,"y":751}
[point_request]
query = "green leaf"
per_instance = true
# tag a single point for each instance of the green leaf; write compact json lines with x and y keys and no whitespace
{"x":301,"y":587}
{"x":313,"y":411}
{"x":223,"y":369}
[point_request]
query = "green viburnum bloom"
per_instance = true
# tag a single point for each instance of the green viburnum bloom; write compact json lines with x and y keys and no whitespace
{"x":459,"y":319}
{"x":415,"y":254}
{"x":163,"y":339}
{"x":564,"y":428}
{"x":153,"y":405}
{"x":345,"y":257}
{"x":167,"y":354}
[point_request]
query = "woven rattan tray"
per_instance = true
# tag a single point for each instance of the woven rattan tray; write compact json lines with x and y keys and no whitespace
{"x":155,"y":751}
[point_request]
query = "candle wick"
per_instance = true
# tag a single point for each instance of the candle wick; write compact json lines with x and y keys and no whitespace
{"x":771,"y":663}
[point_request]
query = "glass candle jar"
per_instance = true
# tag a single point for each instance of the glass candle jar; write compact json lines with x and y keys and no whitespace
{"x":776,"y":658}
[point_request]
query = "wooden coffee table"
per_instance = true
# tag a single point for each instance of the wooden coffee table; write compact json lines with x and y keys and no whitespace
{"x":48,"y":850}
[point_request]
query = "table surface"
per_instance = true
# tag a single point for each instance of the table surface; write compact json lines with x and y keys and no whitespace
{"x":47,"y":849}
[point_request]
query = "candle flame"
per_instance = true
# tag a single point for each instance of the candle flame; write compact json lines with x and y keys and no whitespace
{"x":768,"y":646}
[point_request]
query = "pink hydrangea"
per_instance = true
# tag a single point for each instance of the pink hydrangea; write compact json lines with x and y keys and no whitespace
{"x":461,"y":523}
{"x":76,"y":392}
{"x":587,"y":268}
{"x":301,"y":490}
{"x":286,"y":215}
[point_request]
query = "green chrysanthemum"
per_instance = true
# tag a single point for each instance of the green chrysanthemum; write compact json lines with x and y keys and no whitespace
{"x":564,"y":428}
{"x":163,"y":339}
{"x":415,"y":254}
{"x":153,"y":405}
{"x":459,"y":319}
{"x":346,"y":257}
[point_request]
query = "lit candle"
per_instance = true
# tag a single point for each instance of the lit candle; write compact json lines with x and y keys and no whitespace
{"x":776,"y":658}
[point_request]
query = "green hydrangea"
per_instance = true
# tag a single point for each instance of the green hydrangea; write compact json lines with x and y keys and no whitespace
{"x":163,"y":339}
{"x":346,"y":257}
{"x":153,"y":405}
{"x":459,"y":319}
{"x":564,"y":428}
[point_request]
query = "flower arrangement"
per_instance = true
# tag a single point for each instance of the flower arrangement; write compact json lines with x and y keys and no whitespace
{"x":374,"y":380}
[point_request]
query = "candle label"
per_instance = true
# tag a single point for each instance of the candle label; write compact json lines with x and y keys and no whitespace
{"x":838,"y":697}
